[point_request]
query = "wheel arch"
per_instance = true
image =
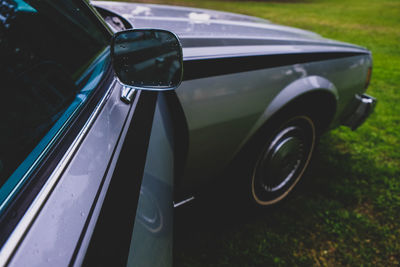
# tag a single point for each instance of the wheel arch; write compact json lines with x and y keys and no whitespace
{"x":299,"y":94}
{"x":312,"y":97}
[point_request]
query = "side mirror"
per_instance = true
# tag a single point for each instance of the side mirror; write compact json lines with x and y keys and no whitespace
{"x":147,"y":59}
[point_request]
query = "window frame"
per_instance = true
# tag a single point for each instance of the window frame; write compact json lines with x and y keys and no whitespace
{"x":63,"y":139}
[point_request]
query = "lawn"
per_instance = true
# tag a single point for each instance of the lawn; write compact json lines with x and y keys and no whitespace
{"x":347,"y":209}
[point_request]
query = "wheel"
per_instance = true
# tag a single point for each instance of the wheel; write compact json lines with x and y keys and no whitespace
{"x":283,"y":160}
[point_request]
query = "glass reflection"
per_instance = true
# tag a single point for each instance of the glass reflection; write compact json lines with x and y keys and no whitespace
{"x":149,"y":59}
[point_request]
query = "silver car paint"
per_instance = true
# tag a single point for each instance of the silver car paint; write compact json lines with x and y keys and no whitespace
{"x":152,"y":233}
{"x":225,"y":111}
{"x":64,"y":214}
{"x":236,"y":105}
{"x":54,"y":234}
{"x":198,"y":23}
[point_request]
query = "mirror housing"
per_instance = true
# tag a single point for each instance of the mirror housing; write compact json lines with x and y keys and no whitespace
{"x":147,"y":59}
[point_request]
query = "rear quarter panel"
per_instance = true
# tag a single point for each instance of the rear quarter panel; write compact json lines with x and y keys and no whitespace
{"x":223,"y":112}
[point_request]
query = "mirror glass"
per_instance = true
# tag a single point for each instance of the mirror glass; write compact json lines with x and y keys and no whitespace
{"x":147,"y":59}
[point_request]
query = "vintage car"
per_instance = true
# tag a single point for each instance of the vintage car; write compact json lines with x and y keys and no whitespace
{"x":114,"y":113}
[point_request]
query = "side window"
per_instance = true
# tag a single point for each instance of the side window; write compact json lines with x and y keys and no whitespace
{"x":53,"y":53}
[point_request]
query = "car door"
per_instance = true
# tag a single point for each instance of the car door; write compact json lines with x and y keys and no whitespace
{"x":86,"y":178}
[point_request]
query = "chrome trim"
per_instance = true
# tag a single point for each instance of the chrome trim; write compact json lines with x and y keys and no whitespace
{"x":150,"y":88}
{"x":364,"y":107}
{"x":127,"y":94}
{"x":22,"y":227}
{"x":48,"y":147}
{"x":103,"y":190}
{"x":183,"y":202}
{"x":99,"y":17}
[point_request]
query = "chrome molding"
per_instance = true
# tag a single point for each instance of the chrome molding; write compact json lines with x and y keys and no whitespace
{"x":24,"y":224}
{"x":364,"y":107}
{"x":127,"y":94}
{"x":183,"y":202}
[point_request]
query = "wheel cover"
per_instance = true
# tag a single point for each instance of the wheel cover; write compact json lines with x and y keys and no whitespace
{"x":283,"y":161}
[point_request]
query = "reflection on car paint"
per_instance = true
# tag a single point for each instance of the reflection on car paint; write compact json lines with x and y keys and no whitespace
{"x":152,"y":232}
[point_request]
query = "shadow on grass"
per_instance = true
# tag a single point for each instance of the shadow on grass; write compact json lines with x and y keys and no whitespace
{"x":329,"y":219}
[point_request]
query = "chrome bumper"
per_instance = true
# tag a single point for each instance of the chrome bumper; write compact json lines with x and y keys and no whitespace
{"x":364,"y":107}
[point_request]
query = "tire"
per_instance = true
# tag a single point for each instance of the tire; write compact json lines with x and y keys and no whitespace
{"x":282,"y":160}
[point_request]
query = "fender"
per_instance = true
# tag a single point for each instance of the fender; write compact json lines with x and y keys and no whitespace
{"x":286,"y":96}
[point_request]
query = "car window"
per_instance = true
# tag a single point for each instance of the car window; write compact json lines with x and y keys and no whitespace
{"x":53,"y":53}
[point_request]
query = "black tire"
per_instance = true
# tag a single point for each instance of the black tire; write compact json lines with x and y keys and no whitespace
{"x":281,"y":159}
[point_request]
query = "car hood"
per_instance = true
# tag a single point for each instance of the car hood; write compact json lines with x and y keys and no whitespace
{"x":202,"y":27}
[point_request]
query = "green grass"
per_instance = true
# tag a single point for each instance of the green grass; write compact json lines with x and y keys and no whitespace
{"x":347,"y":209}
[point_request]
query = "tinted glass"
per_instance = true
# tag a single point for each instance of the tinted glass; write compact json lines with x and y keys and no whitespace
{"x":53,"y":54}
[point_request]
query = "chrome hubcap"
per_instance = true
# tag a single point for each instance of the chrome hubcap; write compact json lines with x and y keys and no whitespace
{"x":283,"y":160}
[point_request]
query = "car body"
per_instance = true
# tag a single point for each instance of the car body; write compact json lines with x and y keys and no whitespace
{"x":91,"y":165}
{"x":223,"y":52}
